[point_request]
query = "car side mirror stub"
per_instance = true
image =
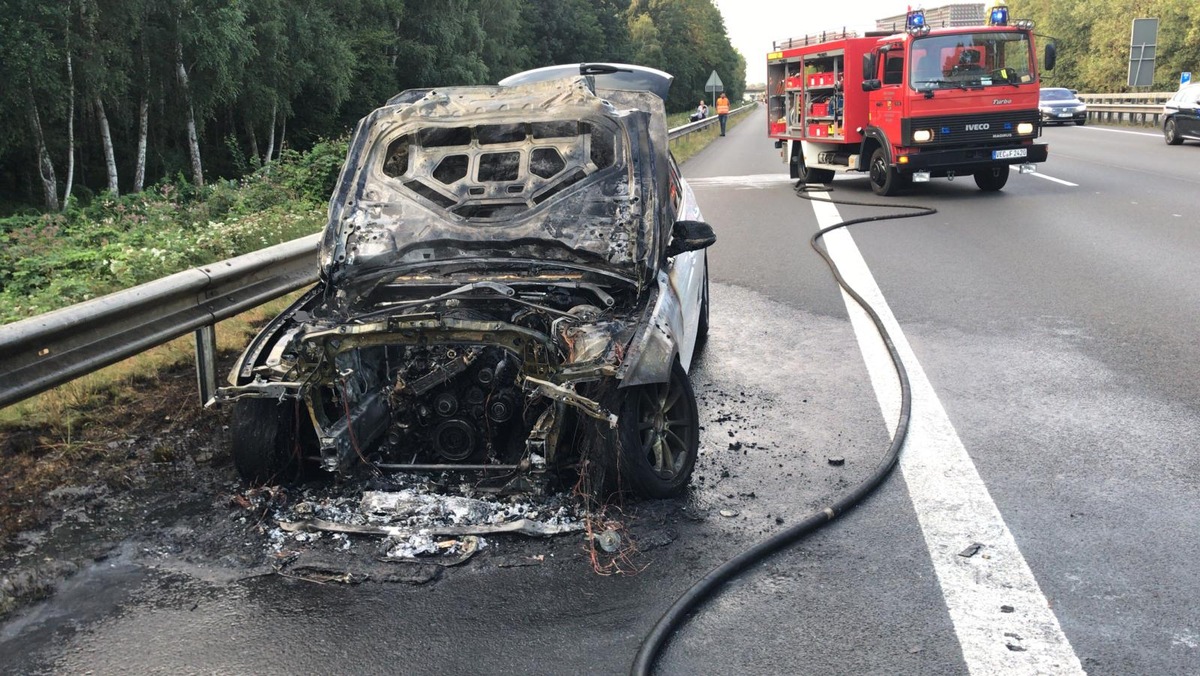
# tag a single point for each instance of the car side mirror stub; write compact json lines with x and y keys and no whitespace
{"x":690,"y":236}
{"x":871,"y":85}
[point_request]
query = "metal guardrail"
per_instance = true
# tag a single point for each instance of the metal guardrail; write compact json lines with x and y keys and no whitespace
{"x":50,"y":349}
{"x":1135,"y":108}
{"x":700,"y":125}
{"x":1128,"y":97}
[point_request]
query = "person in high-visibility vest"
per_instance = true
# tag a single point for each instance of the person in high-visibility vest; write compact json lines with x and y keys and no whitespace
{"x":722,"y":111}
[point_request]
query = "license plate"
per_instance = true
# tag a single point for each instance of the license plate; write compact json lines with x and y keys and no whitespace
{"x":1006,"y":154}
{"x":1064,"y":115}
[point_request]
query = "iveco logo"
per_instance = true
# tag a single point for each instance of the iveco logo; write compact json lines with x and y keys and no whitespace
{"x":983,"y":126}
{"x":1001,"y":102}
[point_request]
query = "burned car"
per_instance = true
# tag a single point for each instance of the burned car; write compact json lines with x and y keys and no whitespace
{"x":512,"y":282}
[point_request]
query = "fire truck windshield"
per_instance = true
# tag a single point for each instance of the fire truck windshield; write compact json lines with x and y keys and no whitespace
{"x":970,"y":61}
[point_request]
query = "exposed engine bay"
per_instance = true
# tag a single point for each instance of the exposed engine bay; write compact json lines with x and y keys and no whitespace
{"x":461,"y":401}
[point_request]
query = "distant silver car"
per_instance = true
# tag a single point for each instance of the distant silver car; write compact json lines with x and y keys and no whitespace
{"x":1060,"y":106}
{"x":1181,"y":116}
{"x":513,"y":282}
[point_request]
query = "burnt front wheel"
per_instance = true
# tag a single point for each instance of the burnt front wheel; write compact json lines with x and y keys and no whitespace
{"x":269,"y":440}
{"x":659,"y":434}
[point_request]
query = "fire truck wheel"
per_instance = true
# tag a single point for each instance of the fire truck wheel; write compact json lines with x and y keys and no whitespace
{"x":815,"y":175}
{"x":883,"y":178}
{"x":991,"y":180}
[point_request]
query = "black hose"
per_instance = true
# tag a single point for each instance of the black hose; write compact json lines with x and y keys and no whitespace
{"x":706,"y":586}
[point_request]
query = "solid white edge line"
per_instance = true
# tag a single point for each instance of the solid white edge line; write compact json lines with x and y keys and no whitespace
{"x":1001,"y":618}
{"x":1048,"y":178}
{"x":1119,"y":131}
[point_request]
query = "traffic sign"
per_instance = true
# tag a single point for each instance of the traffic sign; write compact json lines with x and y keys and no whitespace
{"x":1142,"y":51}
{"x":714,"y":83}
{"x":1185,"y":78}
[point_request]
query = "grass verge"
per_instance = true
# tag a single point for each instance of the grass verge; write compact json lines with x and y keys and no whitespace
{"x":106,"y":427}
{"x":687,"y":146}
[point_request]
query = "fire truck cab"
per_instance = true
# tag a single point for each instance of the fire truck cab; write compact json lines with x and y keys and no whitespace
{"x":908,"y":106}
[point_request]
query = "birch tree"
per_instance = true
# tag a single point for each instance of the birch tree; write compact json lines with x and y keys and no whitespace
{"x":33,"y":62}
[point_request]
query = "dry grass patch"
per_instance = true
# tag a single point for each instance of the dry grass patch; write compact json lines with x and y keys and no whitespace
{"x":105,"y":427}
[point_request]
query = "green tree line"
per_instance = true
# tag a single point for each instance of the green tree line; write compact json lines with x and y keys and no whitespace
{"x":1093,"y":39}
{"x":115,"y":95}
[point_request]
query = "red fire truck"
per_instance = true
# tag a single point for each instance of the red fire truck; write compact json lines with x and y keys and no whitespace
{"x":909,"y":106}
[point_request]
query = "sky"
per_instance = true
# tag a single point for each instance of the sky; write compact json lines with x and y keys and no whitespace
{"x":753,"y":24}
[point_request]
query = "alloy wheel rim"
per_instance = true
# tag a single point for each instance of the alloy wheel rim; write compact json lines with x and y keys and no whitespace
{"x":664,"y":431}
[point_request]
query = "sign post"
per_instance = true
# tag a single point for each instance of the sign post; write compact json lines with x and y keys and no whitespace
{"x":714,"y":85}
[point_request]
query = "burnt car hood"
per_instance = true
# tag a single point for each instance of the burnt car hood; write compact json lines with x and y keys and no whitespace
{"x":503,"y":175}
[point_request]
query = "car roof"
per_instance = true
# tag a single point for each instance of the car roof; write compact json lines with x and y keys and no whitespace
{"x":601,"y":77}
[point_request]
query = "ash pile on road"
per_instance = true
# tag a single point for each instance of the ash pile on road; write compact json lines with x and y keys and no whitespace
{"x":415,"y":519}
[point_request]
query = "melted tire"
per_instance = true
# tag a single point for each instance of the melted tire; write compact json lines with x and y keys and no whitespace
{"x":269,"y":441}
{"x":659,"y":436}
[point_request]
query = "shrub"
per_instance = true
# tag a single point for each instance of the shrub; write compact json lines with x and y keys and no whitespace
{"x":111,"y":243}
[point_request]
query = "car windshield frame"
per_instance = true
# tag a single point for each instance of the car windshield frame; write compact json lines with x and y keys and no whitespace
{"x":971,"y":60}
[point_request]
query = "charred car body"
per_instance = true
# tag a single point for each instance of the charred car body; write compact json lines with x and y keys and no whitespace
{"x":509,"y":275}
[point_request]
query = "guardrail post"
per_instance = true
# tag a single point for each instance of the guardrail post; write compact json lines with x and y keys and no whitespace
{"x":206,"y":363}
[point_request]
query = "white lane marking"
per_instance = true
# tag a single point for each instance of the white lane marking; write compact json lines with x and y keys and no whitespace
{"x":1048,"y":178}
{"x":1121,"y":131}
{"x":953,"y":505}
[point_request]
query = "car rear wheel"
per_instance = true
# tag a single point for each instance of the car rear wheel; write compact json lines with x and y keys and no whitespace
{"x":991,"y":180}
{"x":659,"y":434}
{"x":883,"y":178}
{"x":1171,"y":133}
{"x":269,"y":438}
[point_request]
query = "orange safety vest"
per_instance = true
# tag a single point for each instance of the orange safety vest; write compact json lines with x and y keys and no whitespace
{"x":722,"y":106}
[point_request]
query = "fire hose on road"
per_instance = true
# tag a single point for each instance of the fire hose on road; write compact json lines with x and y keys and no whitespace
{"x":699,"y":592}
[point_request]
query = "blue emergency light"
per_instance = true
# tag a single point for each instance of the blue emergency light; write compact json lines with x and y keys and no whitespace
{"x":915,"y":20}
{"x":999,"y":16}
